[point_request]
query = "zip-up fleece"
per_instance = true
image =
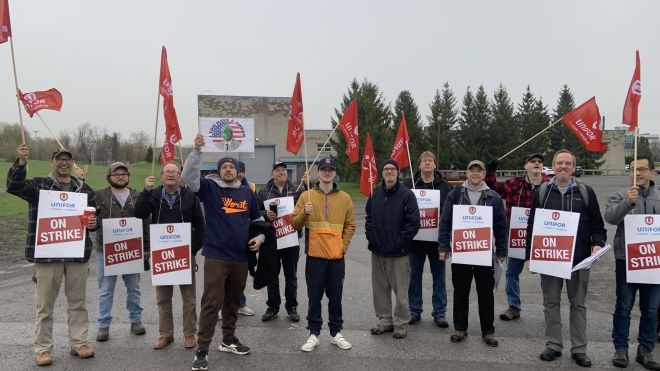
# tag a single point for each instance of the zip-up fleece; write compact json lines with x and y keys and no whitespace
{"x":109,"y":207}
{"x":331,"y":225}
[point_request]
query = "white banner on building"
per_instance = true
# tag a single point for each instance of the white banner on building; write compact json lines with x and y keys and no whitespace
{"x":472,"y":235}
{"x":60,"y":232}
{"x":286,"y":235}
{"x":642,"y":248}
{"x":122,"y":246}
{"x":428,"y":201}
{"x":171,"y":260}
{"x":518,"y":232}
{"x":553,"y":242}
{"x":226,"y":134}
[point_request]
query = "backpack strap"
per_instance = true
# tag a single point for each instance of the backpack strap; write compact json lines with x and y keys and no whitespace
{"x":582,"y":188}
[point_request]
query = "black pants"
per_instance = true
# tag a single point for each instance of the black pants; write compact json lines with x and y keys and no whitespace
{"x":324,"y":276}
{"x":461,"y":276}
{"x":288,"y":259}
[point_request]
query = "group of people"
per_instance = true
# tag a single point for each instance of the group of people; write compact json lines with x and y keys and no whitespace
{"x":229,"y":222}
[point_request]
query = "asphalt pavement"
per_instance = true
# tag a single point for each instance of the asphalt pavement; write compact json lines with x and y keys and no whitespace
{"x":276,"y":344}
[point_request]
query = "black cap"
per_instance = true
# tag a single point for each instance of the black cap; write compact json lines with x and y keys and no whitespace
{"x":59,"y":152}
{"x":279,"y":163}
{"x":533,"y":155}
{"x":241,"y":166}
{"x":327,"y":162}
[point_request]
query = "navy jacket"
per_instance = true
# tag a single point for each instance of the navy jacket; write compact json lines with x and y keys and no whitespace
{"x":392,"y":220}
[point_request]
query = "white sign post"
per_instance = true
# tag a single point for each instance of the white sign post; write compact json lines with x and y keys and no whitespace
{"x":171,"y":260}
{"x":553,"y":242}
{"x":286,"y":235}
{"x":518,"y":232}
{"x":226,"y":134}
{"x":472,"y":235}
{"x":642,"y":248}
{"x":122,"y":246}
{"x":428,"y":201}
{"x":60,"y":232}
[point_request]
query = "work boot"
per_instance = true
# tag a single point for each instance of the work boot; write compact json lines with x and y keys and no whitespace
{"x":441,"y":321}
{"x":83,"y":352}
{"x":44,"y":359}
{"x":490,"y":340}
{"x":380,"y":329}
{"x":269,"y":315}
{"x":620,"y":358}
{"x":292,"y":314}
{"x":645,"y":358}
{"x":458,"y":336}
{"x":400,"y":332}
{"x":509,"y":314}
{"x":137,"y":328}
{"x":102,"y":334}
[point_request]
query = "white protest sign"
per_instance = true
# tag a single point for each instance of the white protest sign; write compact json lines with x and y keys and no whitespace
{"x":60,"y":233}
{"x":284,"y":232}
{"x":122,"y":246}
{"x":553,"y":242}
{"x":518,"y":232}
{"x":171,"y":260}
{"x":642,"y":248}
{"x":472,"y":235}
{"x":428,"y":201}
{"x":226,"y":134}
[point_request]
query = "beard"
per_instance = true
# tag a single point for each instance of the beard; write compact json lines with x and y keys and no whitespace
{"x":118,"y":185}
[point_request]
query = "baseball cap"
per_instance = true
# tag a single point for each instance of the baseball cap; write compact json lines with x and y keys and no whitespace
{"x":533,"y":155}
{"x":59,"y":152}
{"x":476,"y":162}
{"x":279,"y":163}
{"x":327,"y":162}
{"x":116,"y":165}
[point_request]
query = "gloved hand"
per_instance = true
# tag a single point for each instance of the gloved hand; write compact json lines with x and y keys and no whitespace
{"x":147,"y":262}
{"x":491,"y":166}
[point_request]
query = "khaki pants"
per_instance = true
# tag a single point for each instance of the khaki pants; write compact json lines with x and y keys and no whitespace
{"x":165,"y":317}
{"x":49,"y":279}
{"x":391,"y":274}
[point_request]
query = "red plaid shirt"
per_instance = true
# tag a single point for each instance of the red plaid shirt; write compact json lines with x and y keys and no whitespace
{"x":515,"y":191}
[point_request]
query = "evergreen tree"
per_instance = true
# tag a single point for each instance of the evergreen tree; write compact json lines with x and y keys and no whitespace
{"x":531,"y":117}
{"x":418,"y":141}
{"x":643,"y":148}
{"x":467,"y":137}
{"x":442,"y":122}
{"x":503,"y":133}
{"x":150,"y":154}
{"x":374,"y":116}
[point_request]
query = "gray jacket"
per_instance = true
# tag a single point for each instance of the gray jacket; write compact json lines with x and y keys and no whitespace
{"x":617,"y":208}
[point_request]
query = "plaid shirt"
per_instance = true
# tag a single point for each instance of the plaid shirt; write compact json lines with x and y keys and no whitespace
{"x":28,"y":189}
{"x":515,"y":191}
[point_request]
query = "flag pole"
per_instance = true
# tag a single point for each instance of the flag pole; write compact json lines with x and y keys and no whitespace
{"x":528,"y":140}
{"x":635,"y":157}
{"x":317,"y":157}
{"x":153,"y":151}
{"x":75,"y":165}
{"x":18,"y":96}
{"x":309,"y":196}
{"x":412,"y":175}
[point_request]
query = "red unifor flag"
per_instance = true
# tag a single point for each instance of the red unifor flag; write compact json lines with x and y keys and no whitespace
{"x":400,"y":148}
{"x":633,"y":97}
{"x":38,"y":100}
{"x":369,"y":173}
{"x":172,"y":131}
{"x":585,"y":123}
{"x":349,"y":127}
{"x":296,"y":131}
{"x":5,"y":23}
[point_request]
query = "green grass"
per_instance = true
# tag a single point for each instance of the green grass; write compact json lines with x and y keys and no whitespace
{"x":353,"y":189}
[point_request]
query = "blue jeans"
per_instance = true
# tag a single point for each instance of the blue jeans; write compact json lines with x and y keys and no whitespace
{"x":439,"y":298}
{"x":107,"y":293}
{"x":513,"y":269}
{"x":649,"y":300}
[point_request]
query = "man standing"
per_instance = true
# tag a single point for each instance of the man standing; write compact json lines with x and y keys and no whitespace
{"x":474,"y":191}
{"x":516,"y":192}
{"x":392,"y":220}
{"x":641,"y":198}
{"x":327,"y":214}
{"x":229,"y":208}
{"x":280,"y":186}
{"x":428,"y":178}
{"x":51,"y":271}
{"x":118,"y":201}
{"x":173,"y":203}
{"x":563,"y":192}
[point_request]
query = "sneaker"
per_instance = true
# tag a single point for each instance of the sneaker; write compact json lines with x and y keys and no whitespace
{"x":490,"y":340}
{"x":235,"y":347}
{"x":400,"y":332}
{"x":246,"y":311}
{"x":414,"y":318}
{"x":646,"y":360}
{"x":137,"y":328}
{"x":509,"y":314}
{"x":381,"y":329}
{"x":339,"y":341}
{"x":310,"y":344}
{"x":102,"y":334}
{"x":292,"y":314}
{"x":458,"y":336}
{"x":441,"y":321}
{"x":270,"y":314}
{"x":44,"y":359}
{"x":83,"y":352}
{"x":201,"y":360}
{"x":620,"y":358}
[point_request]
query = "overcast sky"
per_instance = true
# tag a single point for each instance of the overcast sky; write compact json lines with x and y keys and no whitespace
{"x":104,"y":55}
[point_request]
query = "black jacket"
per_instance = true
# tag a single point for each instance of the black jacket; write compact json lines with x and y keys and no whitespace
{"x":186,"y":209}
{"x":271,"y":191}
{"x":422,"y":247}
{"x":264,"y":267}
{"x":392,"y":220}
{"x":591,"y":228}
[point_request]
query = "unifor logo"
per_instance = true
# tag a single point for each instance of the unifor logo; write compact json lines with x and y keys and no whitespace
{"x":527,"y":212}
{"x":648,"y":220}
{"x":472,"y":210}
{"x":122,"y":222}
{"x":555,"y":215}
{"x":170,"y":228}
{"x":422,"y":193}
{"x":64,"y":196}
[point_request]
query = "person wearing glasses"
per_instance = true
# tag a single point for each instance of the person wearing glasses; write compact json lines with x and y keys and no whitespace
{"x":118,"y":201}
{"x":174,"y":203}
{"x":51,"y":271}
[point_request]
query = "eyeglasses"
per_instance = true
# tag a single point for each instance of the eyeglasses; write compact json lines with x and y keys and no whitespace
{"x":63,"y":160}
{"x":643,"y":169}
{"x":170,"y":173}
{"x":389,"y":169}
{"x":119,"y":175}
{"x":535,"y":161}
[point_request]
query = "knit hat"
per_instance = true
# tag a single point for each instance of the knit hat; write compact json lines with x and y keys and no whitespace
{"x":390,"y":161}
{"x":228,"y":159}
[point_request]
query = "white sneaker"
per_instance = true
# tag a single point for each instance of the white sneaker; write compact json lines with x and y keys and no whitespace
{"x":220,"y":314}
{"x":311,"y":343}
{"x":246,"y":311}
{"x":339,"y":341}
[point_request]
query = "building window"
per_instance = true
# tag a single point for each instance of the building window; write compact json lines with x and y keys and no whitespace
{"x":320,"y":148}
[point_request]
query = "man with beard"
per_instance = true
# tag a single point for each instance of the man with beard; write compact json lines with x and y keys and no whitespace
{"x":118,"y":201}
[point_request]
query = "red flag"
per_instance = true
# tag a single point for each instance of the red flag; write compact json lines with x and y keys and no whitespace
{"x":296,"y":131}
{"x":633,"y":97}
{"x":5,"y":23}
{"x":172,"y":131}
{"x":38,"y":100}
{"x":584,"y":122}
{"x":369,"y":173}
{"x":349,"y":127}
{"x":167,"y":153}
{"x":400,"y":148}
